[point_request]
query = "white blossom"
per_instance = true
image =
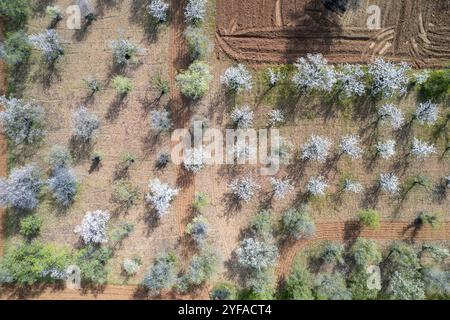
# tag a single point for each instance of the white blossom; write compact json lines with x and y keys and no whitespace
{"x":193,"y":159}
{"x":93,"y":228}
{"x":350,"y":146}
{"x":244,"y":188}
{"x":317,"y":186}
{"x":389,"y":183}
{"x":276,"y":117}
{"x":281,"y":188}
{"x":316,"y":148}
{"x":274,"y":76}
{"x":352,"y":186}
{"x":427,"y":113}
{"x":237,"y":78}
{"x":257,"y":255}
{"x":160,"y":196}
{"x":158,"y":10}
{"x":195,"y":11}
{"x":85,"y":124}
{"x":386,"y":149}
{"x":160,"y":120}
{"x":130,"y":266}
{"x":389,"y":78}
{"x":242,"y":117}
{"x":314,"y":73}
{"x":421,"y":149}
{"x":389,"y":112}
{"x":124,"y":51}
{"x":48,"y":43}
{"x":422,"y":76}
{"x":351,"y":80}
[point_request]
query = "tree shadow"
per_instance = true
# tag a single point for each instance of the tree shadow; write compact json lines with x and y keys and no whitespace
{"x":118,"y":104}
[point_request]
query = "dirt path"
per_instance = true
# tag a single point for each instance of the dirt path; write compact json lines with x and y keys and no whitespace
{"x":339,"y":231}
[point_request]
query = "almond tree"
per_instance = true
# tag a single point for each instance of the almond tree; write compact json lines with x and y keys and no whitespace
{"x":93,"y":228}
{"x":48,"y":43}
{"x":244,"y":189}
{"x":193,"y":160}
{"x":388,"y":78}
{"x":21,"y":121}
{"x":317,"y":186}
{"x":281,"y":188}
{"x":274,"y":76}
{"x":162,"y":274}
{"x":160,"y":196}
{"x":275,"y":117}
{"x":427,"y":113}
{"x":125,"y":52}
{"x":256,"y":255}
{"x":314,"y":74}
{"x":85,"y":124}
{"x":389,"y":183}
{"x":237,"y":78}
{"x":389,"y":112}
{"x":421,"y":149}
{"x":351,"y":80}
{"x":386,"y":149}
{"x":350,"y":145}
{"x":316,"y":148}
{"x":21,"y":189}
{"x":242,"y":117}
{"x":158,"y":10}
{"x":195,"y":11}
{"x":160,"y":121}
{"x":352,"y":186}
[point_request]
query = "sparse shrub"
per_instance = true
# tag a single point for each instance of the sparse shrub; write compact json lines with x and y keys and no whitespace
{"x":314,"y":74}
{"x":194,"y":82}
{"x":437,"y":86}
{"x":201,"y":200}
{"x":21,"y":189}
{"x":85,"y":124}
{"x":297,"y":224}
{"x":15,"y":13}
{"x":350,"y":146}
{"x":197,"y":42}
{"x":160,"y":121}
{"x":92,"y":85}
{"x":281,"y":188}
{"x":63,"y":185}
{"x":127,"y":160}
{"x":365,"y":253}
{"x":16,"y":49}
{"x":386,"y":149}
{"x":223,"y":291}
{"x":31,"y":263}
{"x":30,"y":226}
{"x":195,"y":11}
{"x":389,"y":79}
{"x":242,"y":117}
{"x":237,"y":78}
{"x":350,"y":79}
{"x":121,"y":233}
{"x":369,"y":218}
{"x":125,"y":52}
{"x":122,"y":85}
{"x":48,"y":43}
{"x":158,"y":10}
{"x":392,"y":114}
{"x":389,"y":183}
{"x":161,"y":85}
{"x":421,"y":149}
{"x":54,"y":12}
{"x":432,"y":219}
{"x":332,"y":287}
{"x":316,"y":148}
{"x":162,"y":274}
{"x":317,"y":186}
{"x":256,"y":255}
{"x":198,"y":229}
{"x":131,"y":266}
{"x":299,"y":284}
{"x":93,"y":228}
{"x":59,"y":157}
{"x":22,"y":122}
{"x":160,"y":196}
{"x":125,"y":194}
{"x":244,"y":189}
{"x":92,"y":261}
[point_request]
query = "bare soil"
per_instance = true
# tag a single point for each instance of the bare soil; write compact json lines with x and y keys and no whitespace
{"x":415,"y":31}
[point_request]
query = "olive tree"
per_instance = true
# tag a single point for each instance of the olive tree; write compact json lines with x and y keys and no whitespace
{"x":48,"y":43}
{"x":94,"y":227}
{"x":316,"y":148}
{"x":389,"y":79}
{"x":366,"y":252}
{"x":237,"y":78}
{"x":314,"y":74}
{"x":162,"y":274}
{"x":297,"y":224}
{"x":59,"y":157}
{"x":197,"y":42}
{"x":160,"y":196}
{"x":21,"y":189}
{"x":85,"y":124}
{"x":16,"y":49}
{"x":244,"y":189}
{"x":158,"y":10}
{"x":332,"y":287}
{"x":21,"y":121}
{"x":194,"y":82}
{"x":63,"y":185}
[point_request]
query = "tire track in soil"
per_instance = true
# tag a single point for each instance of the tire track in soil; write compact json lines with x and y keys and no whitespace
{"x":347,"y":231}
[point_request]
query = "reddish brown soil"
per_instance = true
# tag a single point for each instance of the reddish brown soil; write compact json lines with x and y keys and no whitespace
{"x":415,"y":31}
